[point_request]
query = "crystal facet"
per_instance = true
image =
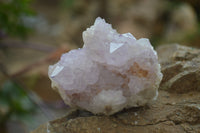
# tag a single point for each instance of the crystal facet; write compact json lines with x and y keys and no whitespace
{"x":111,"y":72}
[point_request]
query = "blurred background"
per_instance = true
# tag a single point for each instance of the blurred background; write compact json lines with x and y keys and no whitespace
{"x":34,"y":34}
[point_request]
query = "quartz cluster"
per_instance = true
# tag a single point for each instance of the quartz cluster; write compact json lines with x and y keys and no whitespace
{"x":111,"y":72}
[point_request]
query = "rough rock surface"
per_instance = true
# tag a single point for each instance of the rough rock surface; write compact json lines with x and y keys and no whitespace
{"x":180,"y":67}
{"x":172,"y":112}
{"x":111,"y":72}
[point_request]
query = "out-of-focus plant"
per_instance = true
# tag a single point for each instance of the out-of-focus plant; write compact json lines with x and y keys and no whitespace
{"x":67,"y":3}
{"x":14,"y":102}
{"x":11,"y":17}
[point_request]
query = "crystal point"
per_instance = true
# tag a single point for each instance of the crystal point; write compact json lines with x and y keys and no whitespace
{"x":115,"y":46}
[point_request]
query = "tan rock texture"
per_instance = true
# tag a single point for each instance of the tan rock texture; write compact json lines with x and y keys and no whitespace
{"x":180,"y":68}
{"x":177,"y":109}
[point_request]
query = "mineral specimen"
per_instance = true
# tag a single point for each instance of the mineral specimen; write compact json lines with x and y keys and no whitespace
{"x":111,"y":72}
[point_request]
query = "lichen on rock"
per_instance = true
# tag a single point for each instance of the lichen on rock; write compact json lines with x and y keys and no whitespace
{"x":111,"y":72}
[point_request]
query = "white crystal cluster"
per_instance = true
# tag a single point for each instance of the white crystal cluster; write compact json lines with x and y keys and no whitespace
{"x":111,"y":72}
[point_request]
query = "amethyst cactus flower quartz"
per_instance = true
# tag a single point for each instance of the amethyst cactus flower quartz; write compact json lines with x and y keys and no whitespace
{"x":111,"y":72}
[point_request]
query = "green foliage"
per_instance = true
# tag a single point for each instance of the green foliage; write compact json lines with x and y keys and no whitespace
{"x":67,"y":3}
{"x":11,"y":17}
{"x":14,"y":101}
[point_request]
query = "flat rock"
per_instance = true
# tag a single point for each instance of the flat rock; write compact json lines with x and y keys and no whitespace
{"x":170,"y":113}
